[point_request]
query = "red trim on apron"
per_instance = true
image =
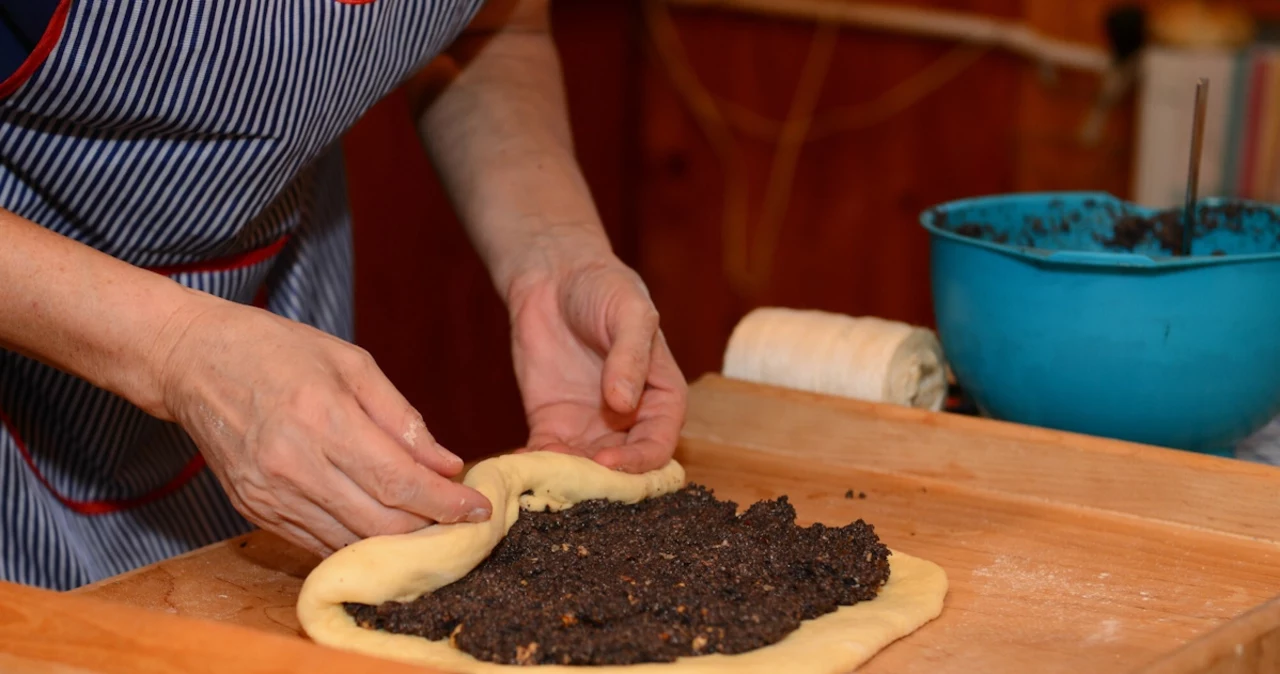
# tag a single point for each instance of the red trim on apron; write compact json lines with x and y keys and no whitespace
{"x":189,"y":471}
{"x":225,"y":263}
{"x":52,"y":34}
{"x":356,"y":2}
{"x":197,"y":463}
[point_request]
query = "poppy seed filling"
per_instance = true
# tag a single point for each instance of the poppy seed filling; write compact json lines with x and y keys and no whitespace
{"x":606,"y":583}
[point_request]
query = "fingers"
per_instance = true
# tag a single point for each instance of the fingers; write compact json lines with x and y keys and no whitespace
{"x":386,"y":473}
{"x":288,"y":512}
{"x":318,"y":505}
{"x":393,"y":414}
{"x":268,"y":514}
{"x":360,"y":514}
{"x":626,"y":368}
{"x":640,"y":456}
{"x":425,"y":450}
{"x":651,"y":442}
{"x":300,"y":538}
{"x":549,"y":446}
{"x":542,"y":441}
{"x":311,"y":528}
{"x":665,"y":375}
{"x":318,"y":447}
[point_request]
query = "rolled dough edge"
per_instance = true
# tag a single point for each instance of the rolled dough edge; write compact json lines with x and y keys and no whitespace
{"x":404,"y":567}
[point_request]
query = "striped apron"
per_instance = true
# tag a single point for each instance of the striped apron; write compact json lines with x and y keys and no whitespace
{"x":198,"y":139}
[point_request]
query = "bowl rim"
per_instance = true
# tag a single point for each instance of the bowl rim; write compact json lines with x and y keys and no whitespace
{"x":928,"y":218}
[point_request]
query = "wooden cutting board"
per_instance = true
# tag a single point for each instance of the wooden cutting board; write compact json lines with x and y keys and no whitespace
{"x":1064,"y":553}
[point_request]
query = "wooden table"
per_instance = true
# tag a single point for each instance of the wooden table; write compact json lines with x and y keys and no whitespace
{"x":1065,"y":553}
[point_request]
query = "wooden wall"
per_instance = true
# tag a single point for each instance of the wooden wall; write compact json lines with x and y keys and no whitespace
{"x":848,"y":241}
{"x":425,"y":307}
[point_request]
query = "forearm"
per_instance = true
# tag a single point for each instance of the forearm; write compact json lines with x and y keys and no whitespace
{"x":85,"y":312}
{"x":494,"y":120}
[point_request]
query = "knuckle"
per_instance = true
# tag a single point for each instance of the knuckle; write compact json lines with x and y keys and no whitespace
{"x":641,"y":286}
{"x":258,"y":504}
{"x":310,"y":405}
{"x":276,"y":465}
{"x":647,"y":314}
{"x":650,"y":322}
{"x":647,"y":325}
{"x":358,"y":360}
{"x":682,"y":388}
{"x":391,"y":522}
{"x":397,"y":488}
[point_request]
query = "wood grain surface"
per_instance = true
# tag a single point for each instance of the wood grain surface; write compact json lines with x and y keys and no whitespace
{"x":57,"y":633}
{"x":1250,"y":643}
{"x":1064,"y":553}
{"x":252,"y":581}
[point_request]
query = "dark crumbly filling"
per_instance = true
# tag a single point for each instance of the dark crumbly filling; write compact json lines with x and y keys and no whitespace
{"x":1128,"y":231}
{"x":611,"y":584}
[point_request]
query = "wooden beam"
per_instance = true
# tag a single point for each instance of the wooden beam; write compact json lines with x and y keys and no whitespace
{"x":939,"y":24}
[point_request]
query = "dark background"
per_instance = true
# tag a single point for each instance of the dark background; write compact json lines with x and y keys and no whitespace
{"x":850,"y":241}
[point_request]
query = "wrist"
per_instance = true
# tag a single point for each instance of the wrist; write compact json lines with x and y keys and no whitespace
{"x":157,"y":379}
{"x":84,"y":312}
{"x":134,"y":358}
{"x":553,"y":251}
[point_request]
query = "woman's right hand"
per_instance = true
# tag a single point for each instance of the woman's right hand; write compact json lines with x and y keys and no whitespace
{"x":308,"y":437}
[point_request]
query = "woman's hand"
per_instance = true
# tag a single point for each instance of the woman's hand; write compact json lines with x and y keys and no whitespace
{"x":594,"y":370}
{"x":595,"y":374}
{"x":307,"y":436}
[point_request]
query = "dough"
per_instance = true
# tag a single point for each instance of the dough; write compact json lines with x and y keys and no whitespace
{"x":864,"y":358}
{"x":402,"y":568}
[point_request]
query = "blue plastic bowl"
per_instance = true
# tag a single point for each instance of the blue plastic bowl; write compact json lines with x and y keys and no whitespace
{"x":1048,"y":319}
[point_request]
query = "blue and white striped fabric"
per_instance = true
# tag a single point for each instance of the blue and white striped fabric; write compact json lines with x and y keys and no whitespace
{"x":199,"y":139}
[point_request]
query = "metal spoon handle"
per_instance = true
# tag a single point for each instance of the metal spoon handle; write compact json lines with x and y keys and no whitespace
{"x":1193,"y":171}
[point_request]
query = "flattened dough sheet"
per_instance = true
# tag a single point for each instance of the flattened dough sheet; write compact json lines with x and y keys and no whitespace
{"x":404,"y":567}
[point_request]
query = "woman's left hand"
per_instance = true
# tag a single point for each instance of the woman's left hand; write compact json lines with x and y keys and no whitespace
{"x":595,"y":373}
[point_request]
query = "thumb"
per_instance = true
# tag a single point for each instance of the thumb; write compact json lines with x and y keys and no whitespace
{"x":626,"y":368}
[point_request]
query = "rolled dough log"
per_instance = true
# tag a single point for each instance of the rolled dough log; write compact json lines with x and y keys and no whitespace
{"x":404,"y":567}
{"x":864,"y":358}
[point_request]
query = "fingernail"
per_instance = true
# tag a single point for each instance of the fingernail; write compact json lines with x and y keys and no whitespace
{"x":628,"y":393}
{"x":478,"y":515}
